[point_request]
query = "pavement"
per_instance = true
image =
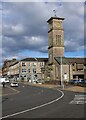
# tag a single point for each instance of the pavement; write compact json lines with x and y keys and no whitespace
{"x":76,"y":89}
{"x":66,"y":87}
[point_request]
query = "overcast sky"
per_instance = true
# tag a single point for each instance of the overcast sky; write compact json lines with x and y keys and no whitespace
{"x":25,"y":30}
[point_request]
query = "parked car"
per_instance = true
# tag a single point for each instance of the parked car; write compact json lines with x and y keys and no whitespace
{"x":40,"y":81}
{"x":34,"y":81}
{"x":82,"y":82}
{"x":14,"y":84}
{"x":7,"y":80}
{"x":76,"y":82}
{"x":73,"y":81}
{"x":2,"y":80}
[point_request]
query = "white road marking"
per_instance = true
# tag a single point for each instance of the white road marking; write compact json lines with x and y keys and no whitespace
{"x":13,"y":89}
{"x":10,"y":93}
{"x":79,"y":99}
{"x":30,"y":109}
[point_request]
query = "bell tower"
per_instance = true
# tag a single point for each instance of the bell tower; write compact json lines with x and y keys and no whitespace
{"x":55,"y":43}
{"x":55,"y":38}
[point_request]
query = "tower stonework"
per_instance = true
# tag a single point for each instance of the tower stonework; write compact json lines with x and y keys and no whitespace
{"x":55,"y":42}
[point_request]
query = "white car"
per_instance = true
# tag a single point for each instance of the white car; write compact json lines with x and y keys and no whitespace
{"x":14,"y":84}
{"x":2,"y":80}
{"x":7,"y":81}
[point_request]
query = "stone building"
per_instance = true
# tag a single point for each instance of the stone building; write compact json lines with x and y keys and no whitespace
{"x":6,"y":64}
{"x":30,"y":68}
{"x":0,"y":72}
{"x":58,"y":66}
{"x":27,"y":69}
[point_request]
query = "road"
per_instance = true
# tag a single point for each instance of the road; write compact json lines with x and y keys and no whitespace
{"x":40,"y":102}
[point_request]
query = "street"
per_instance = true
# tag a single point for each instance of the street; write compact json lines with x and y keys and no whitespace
{"x":40,"y":102}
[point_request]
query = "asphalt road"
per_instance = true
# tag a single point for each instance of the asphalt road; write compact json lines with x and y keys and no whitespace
{"x":38,"y":102}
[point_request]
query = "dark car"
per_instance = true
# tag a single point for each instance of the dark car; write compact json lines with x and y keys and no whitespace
{"x":74,"y":81}
{"x":82,"y":83}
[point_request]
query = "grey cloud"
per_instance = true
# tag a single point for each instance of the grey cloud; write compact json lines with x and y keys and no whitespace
{"x":23,"y":21}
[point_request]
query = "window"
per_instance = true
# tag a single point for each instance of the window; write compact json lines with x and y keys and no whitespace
{"x":58,"y":39}
{"x":29,"y":70}
{"x":23,"y":64}
{"x":72,"y":64}
{"x":23,"y":70}
{"x":29,"y":64}
{"x":41,"y":64}
{"x":33,"y":64}
{"x":50,"y":58}
{"x":34,"y":70}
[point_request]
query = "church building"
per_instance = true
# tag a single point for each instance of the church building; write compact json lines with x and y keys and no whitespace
{"x":58,"y":67}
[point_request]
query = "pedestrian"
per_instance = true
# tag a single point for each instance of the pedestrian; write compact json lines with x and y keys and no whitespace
{"x":3,"y":83}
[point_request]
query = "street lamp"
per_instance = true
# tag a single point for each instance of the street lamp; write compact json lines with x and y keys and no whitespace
{"x":61,"y":74}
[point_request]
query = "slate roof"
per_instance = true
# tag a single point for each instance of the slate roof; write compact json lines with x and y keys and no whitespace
{"x":36,"y":59}
{"x":77,"y":60}
{"x":63,"y":59}
{"x":70,"y":60}
{"x":13,"y":63}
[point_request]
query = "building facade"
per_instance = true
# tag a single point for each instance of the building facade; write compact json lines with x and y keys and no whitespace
{"x":0,"y":72}
{"x":30,"y":68}
{"x":5,"y":68}
{"x":25,"y":69}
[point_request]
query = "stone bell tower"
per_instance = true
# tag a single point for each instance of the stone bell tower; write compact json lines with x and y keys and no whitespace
{"x":55,"y":41}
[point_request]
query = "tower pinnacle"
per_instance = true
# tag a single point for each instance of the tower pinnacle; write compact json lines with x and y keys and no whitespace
{"x":54,"y":12}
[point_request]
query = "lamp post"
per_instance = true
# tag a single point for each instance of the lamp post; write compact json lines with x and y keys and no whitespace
{"x":61,"y":74}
